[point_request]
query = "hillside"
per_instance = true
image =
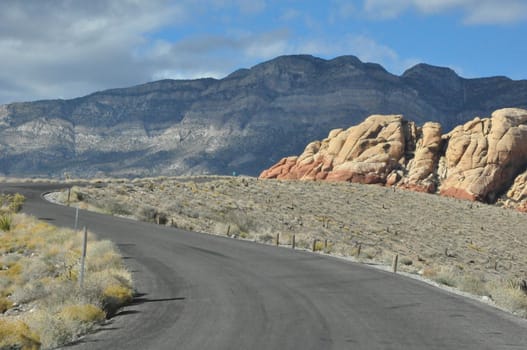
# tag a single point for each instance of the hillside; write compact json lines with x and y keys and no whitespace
{"x":242,"y":123}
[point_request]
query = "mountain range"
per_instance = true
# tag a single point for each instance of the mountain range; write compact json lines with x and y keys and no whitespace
{"x":242,"y":123}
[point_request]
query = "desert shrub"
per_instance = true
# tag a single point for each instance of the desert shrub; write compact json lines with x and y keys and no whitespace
{"x":5,"y":222}
{"x":52,"y":331}
{"x":116,"y":208}
{"x":319,"y":246}
{"x":443,"y":275}
{"x":97,"y":287}
{"x":39,"y":265}
{"x":77,"y":194}
{"x":101,"y":255}
{"x":25,"y":293}
{"x":63,"y":292}
{"x":15,"y":334}
{"x":86,"y":313}
{"x":446,"y":278}
{"x":5,"y":286}
{"x":13,"y":272}
{"x":115,"y":296}
{"x":35,"y":269}
{"x":5,"y":304}
{"x":233,"y":230}
{"x":11,"y":203}
{"x":267,"y":238}
{"x":473,"y":284}
{"x":369,"y":252}
{"x":510,"y":296}
{"x":240,"y":219}
{"x":406,"y":261}
{"x":146,"y":213}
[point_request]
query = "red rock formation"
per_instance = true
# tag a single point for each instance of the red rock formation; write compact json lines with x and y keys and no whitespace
{"x":364,"y":153}
{"x":476,"y":161}
{"x":421,"y":175}
{"x":483,"y":156}
{"x":374,"y":151}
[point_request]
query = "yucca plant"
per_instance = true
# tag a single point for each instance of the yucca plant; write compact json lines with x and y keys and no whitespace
{"x":16,"y":202}
{"x":5,"y":222}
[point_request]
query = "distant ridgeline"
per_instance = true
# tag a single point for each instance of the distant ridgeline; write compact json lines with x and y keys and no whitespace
{"x":240,"y":124}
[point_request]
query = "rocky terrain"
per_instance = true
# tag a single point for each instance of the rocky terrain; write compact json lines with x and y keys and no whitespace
{"x":476,"y":247}
{"x":242,"y":123}
{"x":484,"y":159}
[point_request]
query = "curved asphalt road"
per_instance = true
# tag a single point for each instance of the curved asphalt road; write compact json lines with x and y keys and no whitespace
{"x":205,"y":292}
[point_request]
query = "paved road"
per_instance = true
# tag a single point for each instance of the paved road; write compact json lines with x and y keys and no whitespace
{"x":205,"y":292}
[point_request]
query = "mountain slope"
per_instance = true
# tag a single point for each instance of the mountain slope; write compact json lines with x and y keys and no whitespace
{"x":244,"y":122}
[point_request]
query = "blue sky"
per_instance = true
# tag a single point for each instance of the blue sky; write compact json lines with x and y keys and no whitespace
{"x":65,"y":48}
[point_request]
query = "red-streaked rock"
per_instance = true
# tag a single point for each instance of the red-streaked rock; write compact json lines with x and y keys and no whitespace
{"x":484,"y":155}
{"x":475,"y":161}
{"x":364,"y":153}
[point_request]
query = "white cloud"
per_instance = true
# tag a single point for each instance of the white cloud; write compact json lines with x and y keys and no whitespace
{"x":290,"y":14}
{"x":64,"y":48}
{"x":213,"y":55}
{"x":362,"y":46}
{"x":341,"y":9}
{"x":474,"y":11}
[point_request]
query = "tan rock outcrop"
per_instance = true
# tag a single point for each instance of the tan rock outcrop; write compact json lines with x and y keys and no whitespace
{"x":476,"y":161}
{"x":484,"y":155}
{"x":517,"y":194}
{"x":422,"y":167}
{"x":365,"y":153}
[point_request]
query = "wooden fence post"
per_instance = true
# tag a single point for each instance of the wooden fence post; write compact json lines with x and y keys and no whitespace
{"x":394,"y":264}
{"x":293,"y":242}
{"x":83,"y":257}
{"x":278,"y":239}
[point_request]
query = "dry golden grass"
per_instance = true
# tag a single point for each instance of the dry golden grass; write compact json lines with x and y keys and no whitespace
{"x":39,"y":267}
{"x":15,"y":334}
{"x":5,"y":304}
{"x":467,"y":245}
{"x":82,"y":313}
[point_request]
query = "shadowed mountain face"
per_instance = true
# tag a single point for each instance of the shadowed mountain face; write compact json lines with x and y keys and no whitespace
{"x":242,"y":123}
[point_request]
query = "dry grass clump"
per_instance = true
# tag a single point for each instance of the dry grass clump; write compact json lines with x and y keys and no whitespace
{"x":15,"y":334}
{"x":5,"y":304}
{"x":462,"y":244}
{"x":39,"y":269}
{"x":510,"y":295}
{"x":5,"y":222}
{"x":114,"y":296}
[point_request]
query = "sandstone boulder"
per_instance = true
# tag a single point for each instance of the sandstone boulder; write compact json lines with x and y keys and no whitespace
{"x":365,"y":153}
{"x":422,"y":168}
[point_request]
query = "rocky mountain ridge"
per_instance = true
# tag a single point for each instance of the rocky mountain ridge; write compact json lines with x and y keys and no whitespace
{"x":242,"y":123}
{"x":482,"y":160}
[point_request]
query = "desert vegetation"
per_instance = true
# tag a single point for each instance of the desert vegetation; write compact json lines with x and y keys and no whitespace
{"x":41,"y":303}
{"x":470,"y":246}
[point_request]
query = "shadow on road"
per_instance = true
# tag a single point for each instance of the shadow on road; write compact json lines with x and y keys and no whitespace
{"x":141,"y":299}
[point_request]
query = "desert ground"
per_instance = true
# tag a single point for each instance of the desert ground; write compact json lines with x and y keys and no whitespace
{"x":477,"y":248}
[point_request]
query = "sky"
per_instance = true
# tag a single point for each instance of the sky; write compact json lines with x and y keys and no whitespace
{"x":68,"y":48}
